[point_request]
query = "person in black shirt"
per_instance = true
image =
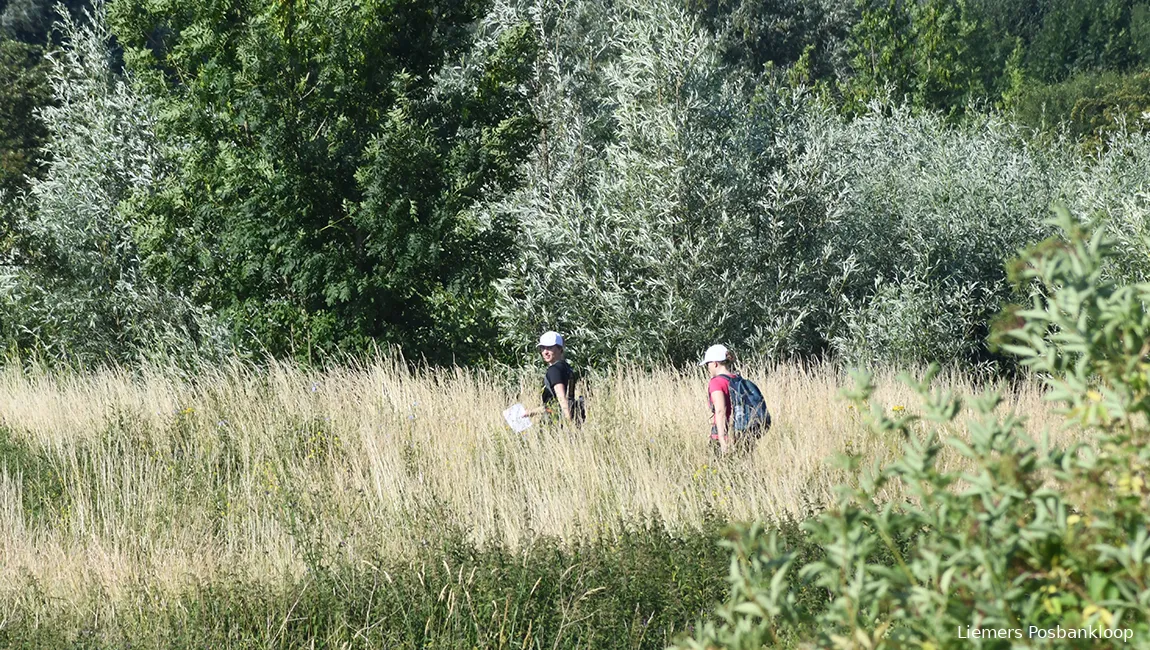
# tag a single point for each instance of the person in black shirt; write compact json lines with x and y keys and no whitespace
{"x":559,"y":382}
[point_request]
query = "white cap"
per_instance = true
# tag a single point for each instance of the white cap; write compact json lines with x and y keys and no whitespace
{"x":551,"y":338}
{"x":717,"y":352}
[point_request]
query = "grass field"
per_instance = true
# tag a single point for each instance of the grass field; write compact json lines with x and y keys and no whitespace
{"x":118,"y":484}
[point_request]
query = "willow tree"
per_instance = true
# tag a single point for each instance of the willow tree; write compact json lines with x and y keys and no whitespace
{"x":72,"y":287}
{"x":643,"y":230}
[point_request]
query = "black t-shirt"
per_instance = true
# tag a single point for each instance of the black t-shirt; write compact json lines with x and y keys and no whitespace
{"x":559,"y":372}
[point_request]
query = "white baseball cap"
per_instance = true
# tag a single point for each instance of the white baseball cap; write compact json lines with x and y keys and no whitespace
{"x":717,"y":352}
{"x":551,"y":338}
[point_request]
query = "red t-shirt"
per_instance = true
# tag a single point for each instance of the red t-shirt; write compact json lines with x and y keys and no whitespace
{"x":722,"y":384}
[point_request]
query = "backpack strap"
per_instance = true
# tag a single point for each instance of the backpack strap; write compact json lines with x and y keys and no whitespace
{"x":729,"y":378}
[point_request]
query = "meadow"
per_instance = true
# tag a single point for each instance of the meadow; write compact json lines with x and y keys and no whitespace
{"x":288,"y":183}
{"x":269,"y":507}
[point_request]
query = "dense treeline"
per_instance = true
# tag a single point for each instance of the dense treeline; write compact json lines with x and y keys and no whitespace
{"x":797,"y":177}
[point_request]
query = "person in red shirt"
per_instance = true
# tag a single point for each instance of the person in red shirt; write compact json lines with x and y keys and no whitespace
{"x":720,"y":364}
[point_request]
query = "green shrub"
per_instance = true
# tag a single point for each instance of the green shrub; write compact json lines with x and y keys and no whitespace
{"x":1091,"y":105}
{"x":1028,"y":537}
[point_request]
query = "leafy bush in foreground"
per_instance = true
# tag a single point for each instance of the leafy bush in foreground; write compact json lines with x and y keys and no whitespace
{"x":1031,"y":539}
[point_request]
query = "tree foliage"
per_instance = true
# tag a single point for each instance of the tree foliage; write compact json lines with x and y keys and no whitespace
{"x":32,"y":21}
{"x":1090,"y":106}
{"x":23,"y":89}
{"x":941,"y":55}
{"x":326,"y":157}
{"x":795,"y":177}
{"x":809,"y":37}
{"x":73,"y":288}
{"x":783,"y":230}
{"x":635,"y":208}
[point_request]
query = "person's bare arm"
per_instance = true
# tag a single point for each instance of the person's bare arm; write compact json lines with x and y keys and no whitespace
{"x":720,"y":418}
{"x":561,"y":393}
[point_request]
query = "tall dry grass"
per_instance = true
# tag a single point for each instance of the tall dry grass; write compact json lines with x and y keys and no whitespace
{"x":118,"y":479}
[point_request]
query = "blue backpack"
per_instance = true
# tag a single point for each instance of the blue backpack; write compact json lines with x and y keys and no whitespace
{"x":748,"y":410}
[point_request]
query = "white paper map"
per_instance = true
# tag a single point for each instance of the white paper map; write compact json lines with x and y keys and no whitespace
{"x":515,"y":418}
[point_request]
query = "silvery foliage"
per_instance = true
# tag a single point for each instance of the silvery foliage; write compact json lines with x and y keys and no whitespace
{"x":670,"y":204}
{"x":927,"y":214}
{"x":642,"y":227}
{"x":74,"y":291}
{"x":1112,"y":185}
